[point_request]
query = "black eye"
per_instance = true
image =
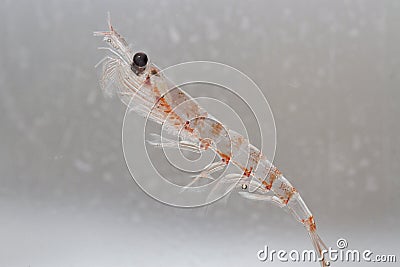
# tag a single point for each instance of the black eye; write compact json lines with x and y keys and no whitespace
{"x":140,"y":59}
{"x":139,"y":63}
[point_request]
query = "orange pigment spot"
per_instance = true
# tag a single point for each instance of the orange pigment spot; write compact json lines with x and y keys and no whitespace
{"x":247,"y":172}
{"x":267,"y":186}
{"x":272,"y":178}
{"x":225,"y":158}
{"x":205,"y":143}
{"x":188,"y":128}
{"x":311,"y":223}
{"x":154,"y":72}
{"x":148,"y":81}
{"x":289,"y":191}
{"x":277,"y":172}
{"x":162,"y":103}
{"x":216,"y":128}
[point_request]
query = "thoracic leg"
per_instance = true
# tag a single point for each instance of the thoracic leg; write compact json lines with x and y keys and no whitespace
{"x":163,"y":142}
{"x":206,"y":174}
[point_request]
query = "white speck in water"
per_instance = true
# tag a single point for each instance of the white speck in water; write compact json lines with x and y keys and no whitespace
{"x":351,"y":171}
{"x":364,"y":162}
{"x":287,"y":12}
{"x":212,"y":30}
{"x":294,"y":84}
{"x":292,"y":107}
{"x":245,"y":23}
{"x":351,"y":183}
{"x":321,"y":72}
{"x":356,"y":144}
{"x":371,"y":184}
{"x":82,"y":166}
{"x":287,"y":64}
{"x":91,"y":98}
{"x":194,"y":38}
{"x":58,"y":157}
{"x":107,"y":177}
{"x":174,"y":35}
{"x":136,"y":218}
{"x":353,"y":32}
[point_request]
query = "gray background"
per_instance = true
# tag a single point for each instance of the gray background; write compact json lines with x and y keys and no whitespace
{"x":330,"y":70}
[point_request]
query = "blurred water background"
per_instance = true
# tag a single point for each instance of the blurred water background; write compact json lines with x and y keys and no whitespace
{"x":329,"y":69}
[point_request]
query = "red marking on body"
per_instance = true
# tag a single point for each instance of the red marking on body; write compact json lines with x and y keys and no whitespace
{"x":237,"y":141}
{"x":162,"y":102}
{"x":286,"y":200}
{"x":255,"y":154}
{"x":205,"y":143}
{"x":148,"y":81}
{"x":247,"y":172}
{"x":272,"y":177}
{"x":154,"y":71}
{"x":166,"y":107}
{"x":267,"y":186}
{"x":310,"y":223}
{"x":188,"y":128}
{"x":289,"y":191}
{"x":240,"y":140}
{"x":273,"y":174}
{"x":199,"y":122}
{"x":225,"y":158}
{"x":277,"y":172}
{"x":216,"y":128}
